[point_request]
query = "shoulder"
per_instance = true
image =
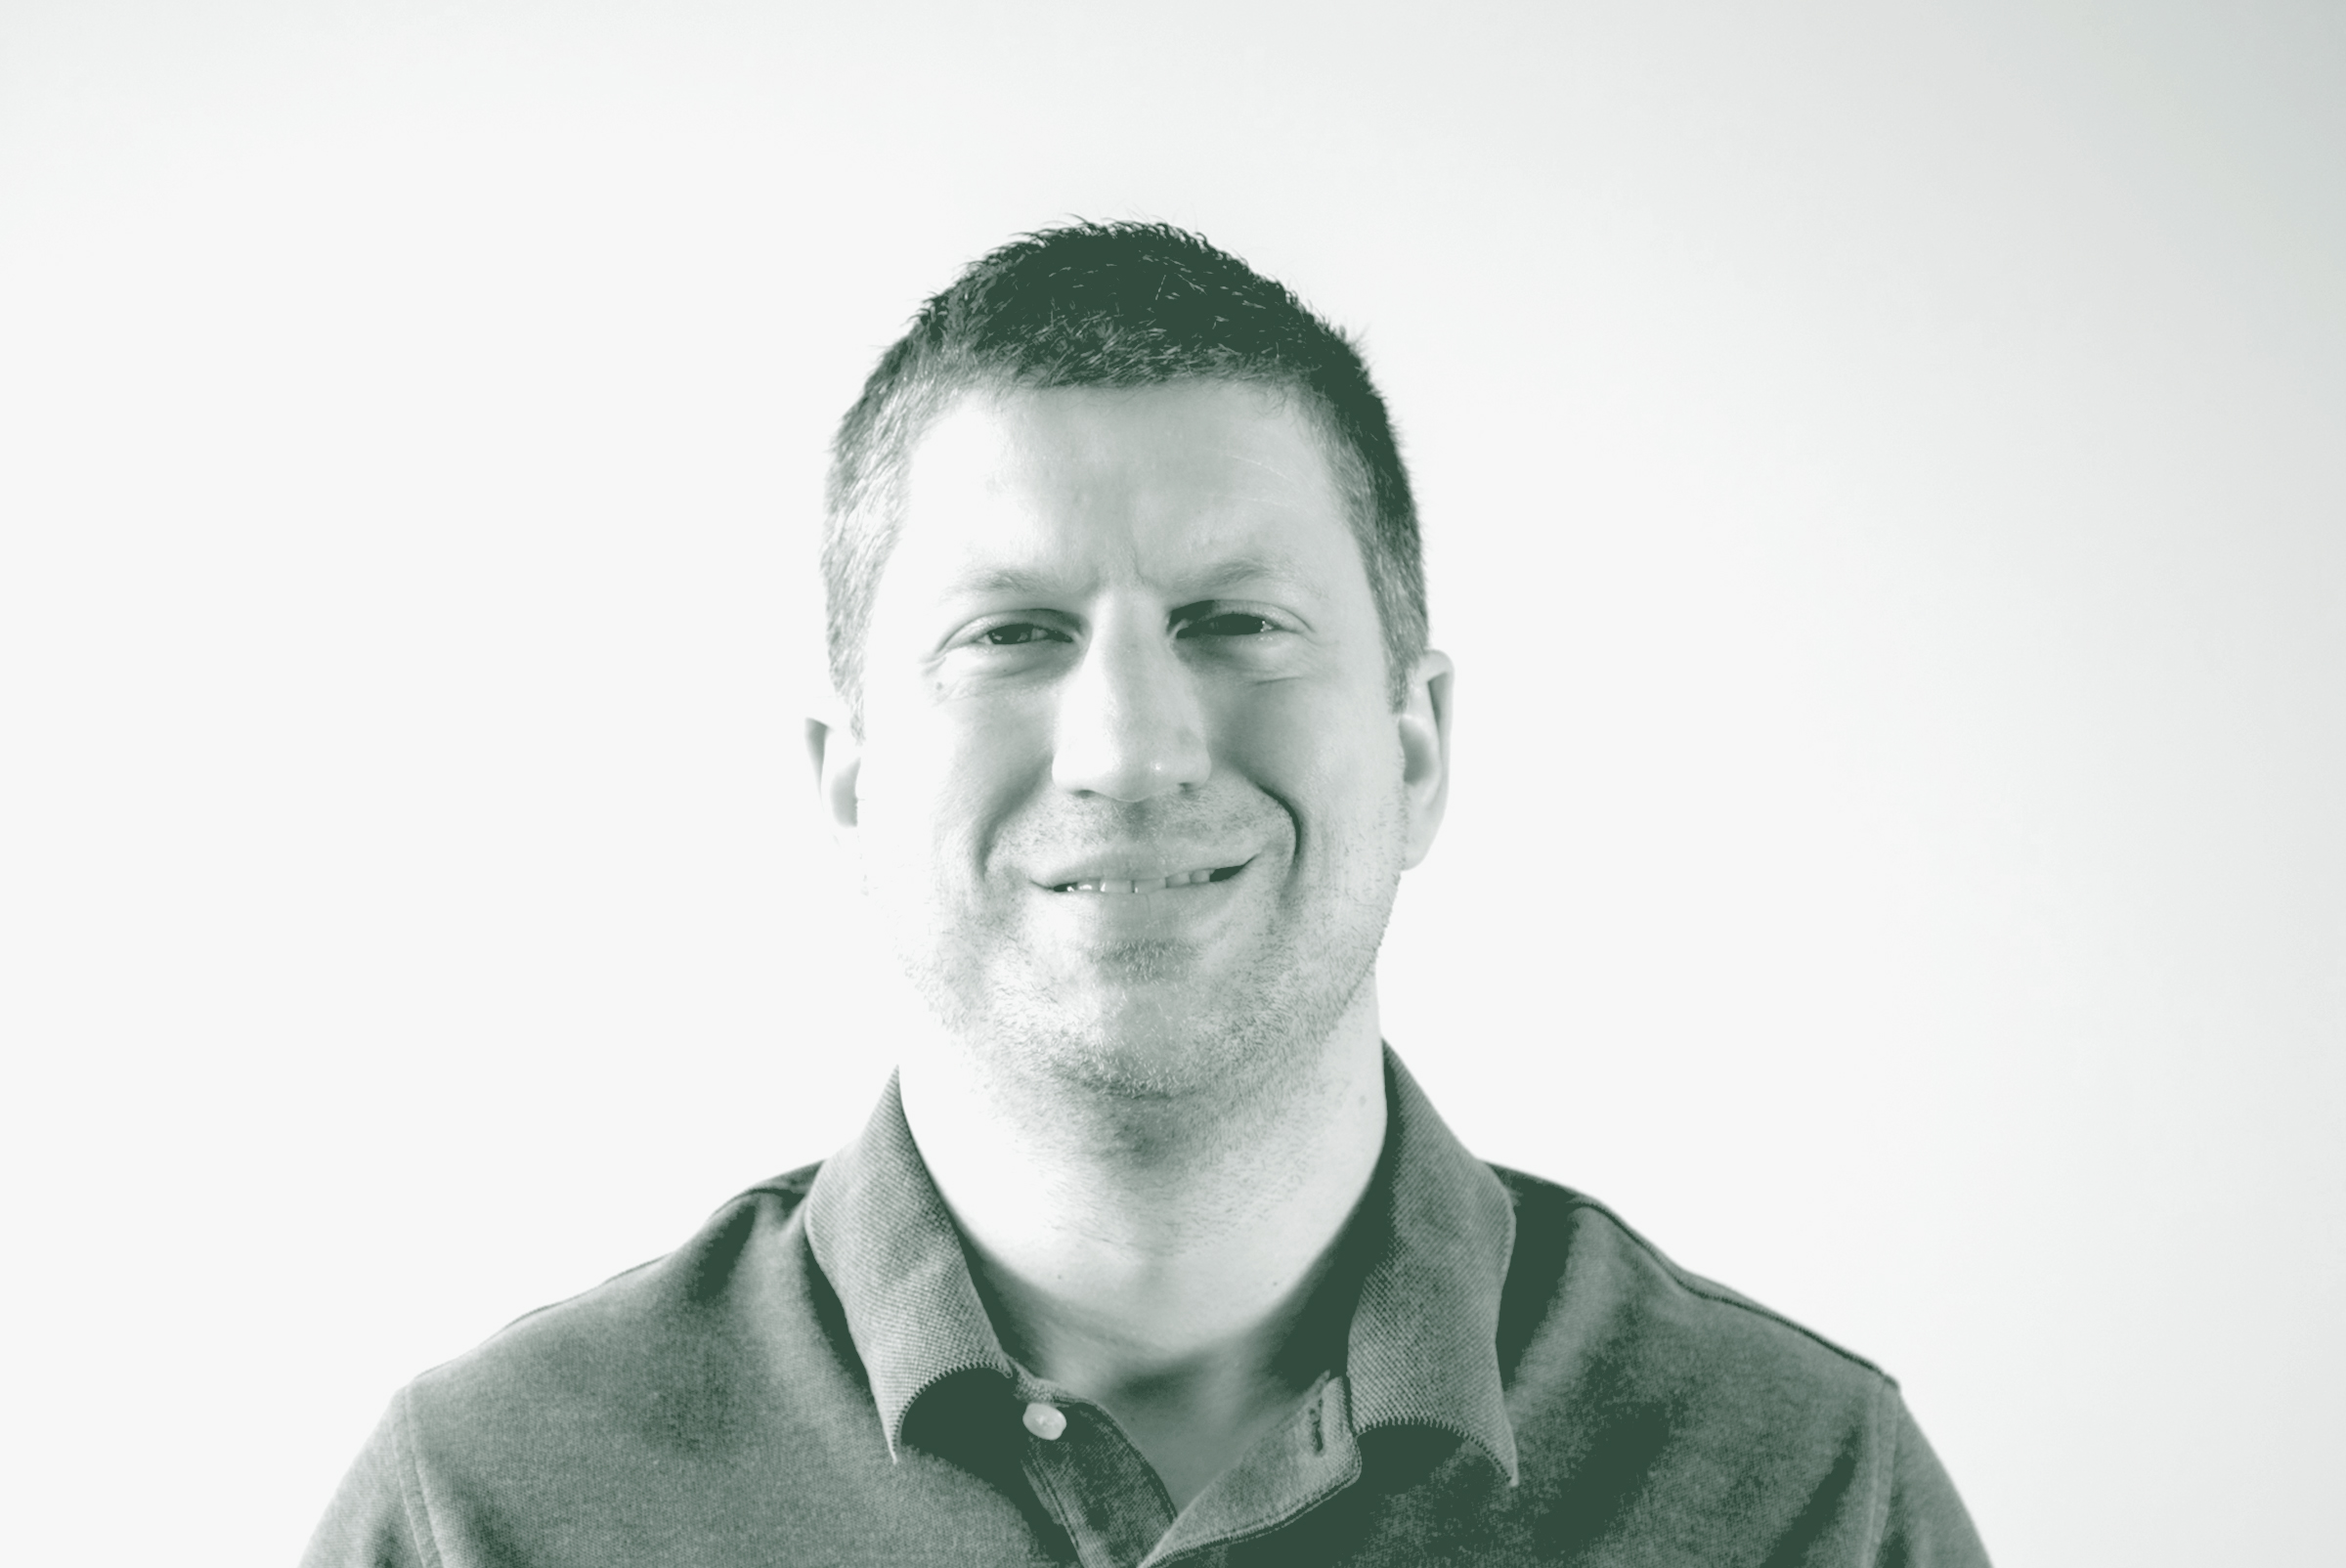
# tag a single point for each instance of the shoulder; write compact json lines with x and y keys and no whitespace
{"x":1650,"y":1403}
{"x":638,"y":1339}
{"x":1589,"y":1299}
{"x":695,"y":1393}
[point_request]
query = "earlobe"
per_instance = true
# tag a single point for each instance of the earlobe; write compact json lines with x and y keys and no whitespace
{"x":1425,"y":727}
{"x":838,"y":758}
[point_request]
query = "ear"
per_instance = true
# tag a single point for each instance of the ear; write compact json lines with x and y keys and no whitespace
{"x":837,"y":753}
{"x":1424,"y":725}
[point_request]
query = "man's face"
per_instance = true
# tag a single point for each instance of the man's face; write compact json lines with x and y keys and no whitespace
{"x":1132,"y":799}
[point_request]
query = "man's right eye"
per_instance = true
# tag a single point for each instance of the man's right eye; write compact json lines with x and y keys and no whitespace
{"x":1018,"y":634}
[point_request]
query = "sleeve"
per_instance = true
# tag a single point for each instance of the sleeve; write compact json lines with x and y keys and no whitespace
{"x":375,"y":1520}
{"x":1924,"y":1524}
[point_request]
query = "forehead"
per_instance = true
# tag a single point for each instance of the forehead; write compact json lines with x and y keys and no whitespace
{"x":1158,"y":482}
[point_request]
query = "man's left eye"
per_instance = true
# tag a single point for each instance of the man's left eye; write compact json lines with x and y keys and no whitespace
{"x":1229,"y":624}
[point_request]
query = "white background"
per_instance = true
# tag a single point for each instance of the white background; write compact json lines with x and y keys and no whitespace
{"x":1882,"y":468}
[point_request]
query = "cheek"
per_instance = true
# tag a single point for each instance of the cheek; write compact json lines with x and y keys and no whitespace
{"x":1295,"y":734}
{"x":1336,"y":765}
{"x":934,"y":791}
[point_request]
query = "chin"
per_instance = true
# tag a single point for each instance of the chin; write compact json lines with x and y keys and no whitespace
{"x":1216,"y":1040}
{"x":1159,"y":1020}
{"x":1140,"y":1043}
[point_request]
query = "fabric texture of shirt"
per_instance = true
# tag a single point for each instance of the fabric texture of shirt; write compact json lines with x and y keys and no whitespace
{"x":813,"y":1379}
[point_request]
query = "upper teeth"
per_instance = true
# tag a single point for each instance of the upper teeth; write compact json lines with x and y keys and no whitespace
{"x":1179,"y":878}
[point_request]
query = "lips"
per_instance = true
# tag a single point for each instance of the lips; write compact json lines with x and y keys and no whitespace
{"x":1155,"y":883}
{"x":1134,"y":874}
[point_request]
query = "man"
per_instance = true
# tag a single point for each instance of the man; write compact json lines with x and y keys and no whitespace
{"x":1153,"y":1252}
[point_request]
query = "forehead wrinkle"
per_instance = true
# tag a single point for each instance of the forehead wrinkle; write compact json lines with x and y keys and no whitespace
{"x":1081,"y":476}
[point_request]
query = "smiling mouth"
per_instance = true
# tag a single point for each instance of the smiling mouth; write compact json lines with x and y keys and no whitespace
{"x":1178,"y":879}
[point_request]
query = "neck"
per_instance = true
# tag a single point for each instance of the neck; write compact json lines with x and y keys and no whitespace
{"x":1152,"y":1256}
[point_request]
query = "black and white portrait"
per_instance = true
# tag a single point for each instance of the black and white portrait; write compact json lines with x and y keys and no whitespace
{"x":1279,"y":784}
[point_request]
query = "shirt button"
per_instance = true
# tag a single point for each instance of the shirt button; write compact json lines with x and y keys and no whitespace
{"x":1045,"y":1421}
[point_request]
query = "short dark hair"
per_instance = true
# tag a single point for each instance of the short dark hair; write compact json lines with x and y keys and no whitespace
{"x":1113,"y":305}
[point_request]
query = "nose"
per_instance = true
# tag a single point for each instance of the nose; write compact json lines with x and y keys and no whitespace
{"x":1130,"y":724}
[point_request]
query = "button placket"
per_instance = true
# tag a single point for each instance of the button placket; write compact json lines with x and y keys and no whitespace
{"x":1091,"y":1478}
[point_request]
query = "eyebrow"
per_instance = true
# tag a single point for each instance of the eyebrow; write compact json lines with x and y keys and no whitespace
{"x":1002,"y":580}
{"x":1027,"y":581}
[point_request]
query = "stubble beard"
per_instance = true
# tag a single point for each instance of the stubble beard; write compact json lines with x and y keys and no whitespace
{"x":1149,"y":1024}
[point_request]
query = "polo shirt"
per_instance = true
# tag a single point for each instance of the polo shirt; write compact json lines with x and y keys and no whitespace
{"x":812,"y":1378}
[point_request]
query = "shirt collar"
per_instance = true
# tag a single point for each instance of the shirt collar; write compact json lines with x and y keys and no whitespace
{"x":1424,"y":1343}
{"x":887,"y":1245}
{"x":1422,"y":1346}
